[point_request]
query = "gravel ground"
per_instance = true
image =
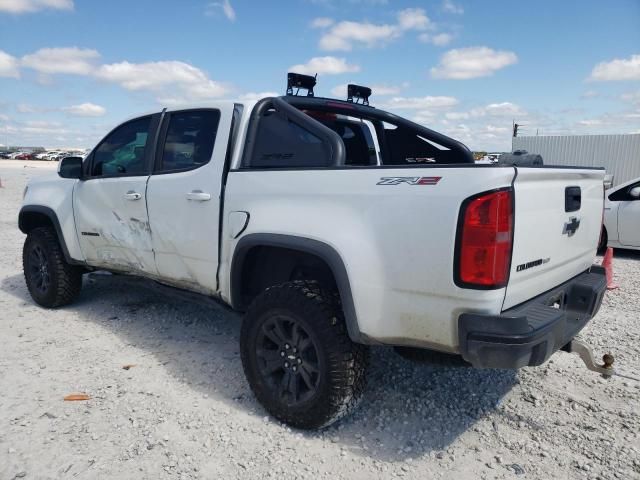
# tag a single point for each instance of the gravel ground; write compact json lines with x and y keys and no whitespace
{"x":184,"y":410}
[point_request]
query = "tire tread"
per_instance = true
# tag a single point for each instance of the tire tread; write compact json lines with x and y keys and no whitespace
{"x":66,"y":279}
{"x":347,"y":360}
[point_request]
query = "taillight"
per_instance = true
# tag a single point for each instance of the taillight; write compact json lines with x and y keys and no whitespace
{"x":485,"y":240}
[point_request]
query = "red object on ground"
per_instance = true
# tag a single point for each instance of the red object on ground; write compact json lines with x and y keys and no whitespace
{"x":607,"y":263}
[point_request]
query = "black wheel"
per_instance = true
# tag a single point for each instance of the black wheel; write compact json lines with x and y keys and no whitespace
{"x":604,"y":240}
{"x":422,"y":355}
{"x":51,"y":281}
{"x":298,"y":358}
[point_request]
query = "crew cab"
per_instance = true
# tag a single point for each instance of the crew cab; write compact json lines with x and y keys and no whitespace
{"x":334,"y":226}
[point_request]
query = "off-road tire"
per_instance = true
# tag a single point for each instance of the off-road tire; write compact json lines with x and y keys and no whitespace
{"x":421,"y":355}
{"x":341,"y":364}
{"x":64,"y":281}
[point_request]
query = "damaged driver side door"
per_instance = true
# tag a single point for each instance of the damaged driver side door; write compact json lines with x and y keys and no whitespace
{"x":109,"y":202}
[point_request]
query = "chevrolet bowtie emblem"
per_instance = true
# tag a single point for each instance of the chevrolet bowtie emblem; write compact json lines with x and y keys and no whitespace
{"x":571,"y":226}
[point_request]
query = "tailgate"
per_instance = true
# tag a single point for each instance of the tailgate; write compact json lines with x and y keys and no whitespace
{"x":558,"y":216}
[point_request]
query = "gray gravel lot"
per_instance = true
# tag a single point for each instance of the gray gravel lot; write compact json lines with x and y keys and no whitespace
{"x":184,"y":409}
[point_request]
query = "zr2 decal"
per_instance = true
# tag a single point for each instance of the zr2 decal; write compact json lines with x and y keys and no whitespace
{"x":409,"y":180}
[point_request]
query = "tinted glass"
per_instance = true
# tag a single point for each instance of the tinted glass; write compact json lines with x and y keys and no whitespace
{"x":190,"y":139}
{"x":622,"y":195}
{"x":283,"y":143}
{"x":358,"y":141}
{"x":123,"y":151}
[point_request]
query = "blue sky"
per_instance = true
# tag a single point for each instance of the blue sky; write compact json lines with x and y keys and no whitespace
{"x":72,"y":69}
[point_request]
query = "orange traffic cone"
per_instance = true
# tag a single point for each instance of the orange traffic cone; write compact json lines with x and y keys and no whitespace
{"x":607,"y":263}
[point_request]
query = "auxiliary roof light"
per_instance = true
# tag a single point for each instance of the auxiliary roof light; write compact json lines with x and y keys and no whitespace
{"x":356,"y":92}
{"x":298,"y":81}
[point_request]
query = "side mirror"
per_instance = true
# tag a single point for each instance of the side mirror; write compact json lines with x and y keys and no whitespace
{"x":634,"y":192}
{"x":70,"y":167}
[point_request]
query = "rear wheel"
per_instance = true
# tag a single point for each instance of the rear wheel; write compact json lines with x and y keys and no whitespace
{"x":51,"y":281}
{"x":298,"y":358}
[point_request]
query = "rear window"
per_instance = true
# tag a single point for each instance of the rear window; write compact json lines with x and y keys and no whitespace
{"x":282,"y":143}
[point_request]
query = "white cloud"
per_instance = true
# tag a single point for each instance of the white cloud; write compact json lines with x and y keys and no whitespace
{"x":340,"y":91}
{"x":322,"y":22}
{"x":255,"y":96}
{"x":631,"y":97}
{"x":472,"y":62}
{"x":617,"y":70}
{"x":340,"y":3}
{"x":450,"y":7}
{"x":421,"y":103}
{"x":503,"y":109}
{"x":347,"y":34}
{"x":618,"y":122}
{"x":27,"y":108}
{"x":43,"y":127}
{"x":326,"y":66}
{"x":8,"y":65}
{"x":226,"y":8}
{"x":85,"y":110}
{"x":344,"y":35}
{"x":439,"y":40}
{"x":413,"y":19}
{"x":174,"y":81}
{"x":590,"y":94}
{"x":27,"y":6}
{"x":424,"y":117}
{"x":71,"y":60}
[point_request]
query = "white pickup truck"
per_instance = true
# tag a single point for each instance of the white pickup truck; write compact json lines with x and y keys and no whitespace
{"x":334,"y":226}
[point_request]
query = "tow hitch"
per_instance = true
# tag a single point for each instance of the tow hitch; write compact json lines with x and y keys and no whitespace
{"x":586,"y":355}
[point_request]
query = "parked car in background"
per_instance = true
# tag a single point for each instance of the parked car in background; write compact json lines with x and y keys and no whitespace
{"x":47,"y":155}
{"x":62,"y":155}
{"x":24,"y":156}
{"x":621,"y":228}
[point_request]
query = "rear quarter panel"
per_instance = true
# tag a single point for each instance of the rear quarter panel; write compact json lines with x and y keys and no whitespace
{"x":396,"y":241}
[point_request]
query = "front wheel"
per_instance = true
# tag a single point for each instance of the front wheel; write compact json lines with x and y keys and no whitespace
{"x":298,"y":358}
{"x":51,"y":281}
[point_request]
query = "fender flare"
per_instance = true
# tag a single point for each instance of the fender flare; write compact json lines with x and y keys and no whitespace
{"x":51,"y":215}
{"x":302,"y":244}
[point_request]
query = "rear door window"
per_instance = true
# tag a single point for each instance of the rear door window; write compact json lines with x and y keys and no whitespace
{"x":189,"y":140}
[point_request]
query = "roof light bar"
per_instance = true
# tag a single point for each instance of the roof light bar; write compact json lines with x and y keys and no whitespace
{"x":355,"y":92}
{"x":298,"y":81}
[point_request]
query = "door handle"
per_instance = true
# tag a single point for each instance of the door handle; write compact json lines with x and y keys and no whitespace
{"x":131,"y":195}
{"x":198,"y":196}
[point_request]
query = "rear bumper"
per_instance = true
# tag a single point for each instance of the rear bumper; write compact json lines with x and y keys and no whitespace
{"x":527,"y":335}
